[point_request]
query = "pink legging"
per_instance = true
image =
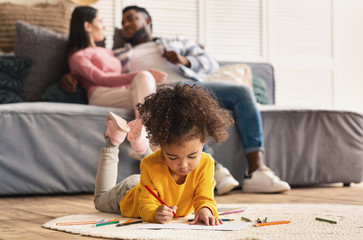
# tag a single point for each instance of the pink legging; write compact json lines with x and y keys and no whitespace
{"x":141,"y":86}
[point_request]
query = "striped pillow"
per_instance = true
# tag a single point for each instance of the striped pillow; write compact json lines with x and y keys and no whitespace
{"x":51,"y":16}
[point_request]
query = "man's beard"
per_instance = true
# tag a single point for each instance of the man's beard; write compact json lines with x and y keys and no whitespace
{"x":137,"y":37}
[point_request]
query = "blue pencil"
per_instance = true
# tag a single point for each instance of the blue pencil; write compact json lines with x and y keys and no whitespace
{"x":101,"y":221}
{"x":223,"y":219}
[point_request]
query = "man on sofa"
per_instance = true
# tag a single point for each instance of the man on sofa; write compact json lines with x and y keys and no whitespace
{"x":184,"y":60}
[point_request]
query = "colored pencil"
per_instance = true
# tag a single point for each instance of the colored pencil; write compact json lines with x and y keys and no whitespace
{"x":76,"y":223}
{"x":325,"y":220}
{"x":107,"y":223}
{"x":114,"y":220}
{"x":270,"y":223}
{"x":245,"y":219}
{"x":223,"y":219}
{"x":229,"y":212}
{"x":101,"y":221}
{"x":159,"y":199}
{"x":129,"y":223}
{"x":229,"y":209}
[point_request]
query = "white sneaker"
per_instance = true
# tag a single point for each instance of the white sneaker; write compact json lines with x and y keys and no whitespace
{"x":263,"y":180}
{"x":224,"y":180}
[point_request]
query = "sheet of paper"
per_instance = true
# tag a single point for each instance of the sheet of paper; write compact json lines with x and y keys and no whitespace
{"x":226,"y":226}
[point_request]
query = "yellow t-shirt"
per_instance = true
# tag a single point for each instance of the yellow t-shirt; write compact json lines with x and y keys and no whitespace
{"x":196,"y":192}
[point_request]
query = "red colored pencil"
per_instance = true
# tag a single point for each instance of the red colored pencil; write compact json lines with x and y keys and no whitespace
{"x":159,"y":199}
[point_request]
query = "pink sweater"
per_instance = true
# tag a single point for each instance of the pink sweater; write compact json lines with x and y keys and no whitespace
{"x":97,"y":66}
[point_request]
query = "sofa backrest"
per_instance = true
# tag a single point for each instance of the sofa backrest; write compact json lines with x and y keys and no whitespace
{"x":264,"y":71}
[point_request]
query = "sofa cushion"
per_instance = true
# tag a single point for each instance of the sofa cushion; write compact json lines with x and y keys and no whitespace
{"x":236,"y":73}
{"x":12,"y":73}
{"x":46,"y":49}
{"x":52,"y":16}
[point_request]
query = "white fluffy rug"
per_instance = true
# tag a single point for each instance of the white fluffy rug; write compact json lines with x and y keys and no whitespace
{"x":303,"y":225}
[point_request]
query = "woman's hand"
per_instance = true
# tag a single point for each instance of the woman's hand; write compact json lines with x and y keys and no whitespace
{"x":158,"y":75}
{"x":164,"y":214}
{"x":207,"y":217}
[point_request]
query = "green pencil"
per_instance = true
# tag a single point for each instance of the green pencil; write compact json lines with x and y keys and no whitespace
{"x":325,"y":220}
{"x":107,"y":223}
{"x":245,"y":219}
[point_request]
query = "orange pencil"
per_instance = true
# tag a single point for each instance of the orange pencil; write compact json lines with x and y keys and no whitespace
{"x":270,"y":223}
{"x":128,"y":221}
{"x":159,"y":199}
{"x":75,"y":223}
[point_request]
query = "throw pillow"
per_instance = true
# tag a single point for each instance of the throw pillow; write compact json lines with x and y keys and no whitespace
{"x":12,"y":73}
{"x":55,"y":94}
{"x":52,"y":16}
{"x":236,"y":73}
{"x":118,"y":40}
{"x":46,"y":49}
{"x":260,"y":90}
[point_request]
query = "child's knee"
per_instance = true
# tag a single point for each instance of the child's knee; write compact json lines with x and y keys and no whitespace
{"x":144,"y":80}
{"x":96,"y":202}
{"x":144,"y":75}
{"x":104,"y":205}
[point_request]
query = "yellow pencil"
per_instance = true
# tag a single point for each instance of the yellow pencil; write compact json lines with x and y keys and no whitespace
{"x":270,"y":223}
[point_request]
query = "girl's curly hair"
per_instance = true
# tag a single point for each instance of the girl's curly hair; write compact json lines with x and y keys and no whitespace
{"x":183,"y":112}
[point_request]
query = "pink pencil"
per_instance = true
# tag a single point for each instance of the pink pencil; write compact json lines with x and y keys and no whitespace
{"x":229,"y":212}
{"x":159,"y":199}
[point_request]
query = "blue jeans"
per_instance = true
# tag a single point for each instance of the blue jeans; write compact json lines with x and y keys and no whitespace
{"x":242,"y":102}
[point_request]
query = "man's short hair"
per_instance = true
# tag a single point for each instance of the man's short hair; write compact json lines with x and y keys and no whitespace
{"x":139,"y":9}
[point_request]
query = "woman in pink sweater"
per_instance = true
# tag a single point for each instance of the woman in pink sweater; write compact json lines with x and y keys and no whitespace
{"x":100,"y":74}
{"x":98,"y":71}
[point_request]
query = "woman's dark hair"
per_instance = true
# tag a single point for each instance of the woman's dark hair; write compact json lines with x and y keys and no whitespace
{"x":183,"y":112}
{"x":78,"y":37}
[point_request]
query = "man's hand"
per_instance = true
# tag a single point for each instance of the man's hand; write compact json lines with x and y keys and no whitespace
{"x":176,"y":58}
{"x":164,"y":214}
{"x":207,"y":217}
{"x":68,"y":83}
{"x":159,"y":76}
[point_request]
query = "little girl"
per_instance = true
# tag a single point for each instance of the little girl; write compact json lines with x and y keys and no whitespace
{"x":179,"y":119}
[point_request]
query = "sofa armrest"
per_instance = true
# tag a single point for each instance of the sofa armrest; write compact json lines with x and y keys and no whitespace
{"x":266,"y":72}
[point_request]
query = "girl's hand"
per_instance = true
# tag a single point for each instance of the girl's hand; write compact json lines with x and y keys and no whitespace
{"x":164,"y":214}
{"x":207,"y":217}
{"x":158,"y":75}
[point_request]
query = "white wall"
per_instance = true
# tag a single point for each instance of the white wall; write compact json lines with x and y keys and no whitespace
{"x":349,"y":55}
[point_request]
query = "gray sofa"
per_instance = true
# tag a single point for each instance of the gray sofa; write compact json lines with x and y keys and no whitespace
{"x":48,"y":148}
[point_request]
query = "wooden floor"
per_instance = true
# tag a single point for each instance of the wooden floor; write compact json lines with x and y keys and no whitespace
{"x":22,"y":217}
